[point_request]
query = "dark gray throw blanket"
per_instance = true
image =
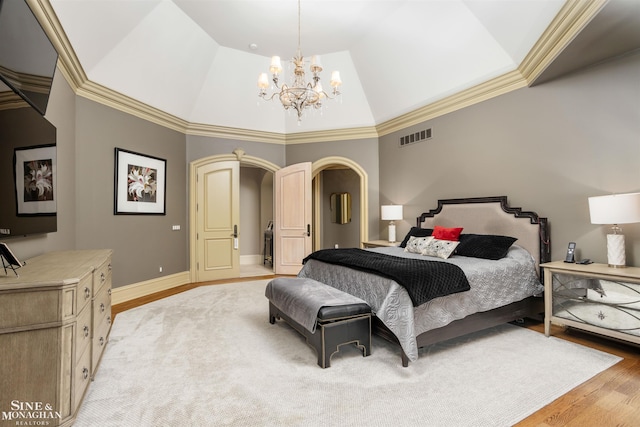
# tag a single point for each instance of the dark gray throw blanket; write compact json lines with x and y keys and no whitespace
{"x":424,"y":280}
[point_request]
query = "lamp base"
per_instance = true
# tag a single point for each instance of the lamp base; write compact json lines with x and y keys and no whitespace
{"x":616,"y":255}
{"x":392,"y":232}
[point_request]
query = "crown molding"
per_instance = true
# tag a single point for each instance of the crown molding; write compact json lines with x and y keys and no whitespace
{"x":567,"y":24}
{"x":500,"y":85}
{"x":9,"y":100}
{"x":28,"y":82}
{"x":331,"y":135}
{"x":570,"y":20}
{"x":235,"y":133}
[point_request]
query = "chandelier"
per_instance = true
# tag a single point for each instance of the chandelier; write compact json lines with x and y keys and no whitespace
{"x":300,"y":94}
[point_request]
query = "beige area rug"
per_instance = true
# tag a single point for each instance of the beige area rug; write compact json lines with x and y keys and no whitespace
{"x":209,"y":357}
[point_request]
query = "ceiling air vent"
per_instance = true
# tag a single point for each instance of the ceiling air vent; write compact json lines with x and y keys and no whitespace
{"x":415,"y":137}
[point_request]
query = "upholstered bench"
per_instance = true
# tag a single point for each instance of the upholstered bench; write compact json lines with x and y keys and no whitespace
{"x":327,"y":317}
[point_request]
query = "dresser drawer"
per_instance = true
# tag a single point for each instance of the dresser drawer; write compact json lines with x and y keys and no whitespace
{"x":81,"y":378}
{"x":100,"y":338}
{"x":84,"y":292}
{"x":101,"y":306}
{"x":20,"y":310}
{"x":83,"y":331}
{"x":102,"y":275}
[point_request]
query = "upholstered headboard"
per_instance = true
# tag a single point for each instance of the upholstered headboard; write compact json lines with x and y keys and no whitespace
{"x":492,"y":215}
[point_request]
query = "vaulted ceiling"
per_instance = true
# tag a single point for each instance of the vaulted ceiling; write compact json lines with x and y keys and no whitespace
{"x":199,"y":60}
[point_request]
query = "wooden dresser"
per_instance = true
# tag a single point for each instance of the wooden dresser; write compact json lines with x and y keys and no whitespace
{"x":55,"y":320}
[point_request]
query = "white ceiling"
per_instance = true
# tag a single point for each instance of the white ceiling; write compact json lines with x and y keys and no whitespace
{"x":191,"y":58}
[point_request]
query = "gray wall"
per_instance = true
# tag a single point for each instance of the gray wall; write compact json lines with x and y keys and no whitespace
{"x":141,"y":243}
{"x":199,"y":147}
{"x":548,"y":148}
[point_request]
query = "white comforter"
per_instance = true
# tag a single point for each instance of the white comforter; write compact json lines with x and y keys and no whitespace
{"x":493,"y":284}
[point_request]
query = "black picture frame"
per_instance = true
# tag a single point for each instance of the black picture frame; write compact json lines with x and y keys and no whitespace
{"x":35,"y":179}
{"x":140,"y":183}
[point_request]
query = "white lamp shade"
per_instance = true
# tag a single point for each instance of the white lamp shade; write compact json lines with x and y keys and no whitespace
{"x":391,"y":212}
{"x":615,"y":209}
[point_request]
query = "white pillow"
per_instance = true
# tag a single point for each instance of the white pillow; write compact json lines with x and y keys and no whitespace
{"x":440,"y":248}
{"x":417,"y":244}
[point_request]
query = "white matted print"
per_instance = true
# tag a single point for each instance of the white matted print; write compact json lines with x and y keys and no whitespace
{"x":140,"y":184}
{"x":36,"y":178}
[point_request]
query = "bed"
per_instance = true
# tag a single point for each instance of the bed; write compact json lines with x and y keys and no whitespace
{"x":500,"y":290}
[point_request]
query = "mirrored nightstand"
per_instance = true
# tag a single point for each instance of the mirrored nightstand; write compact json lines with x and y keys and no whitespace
{"x":379,"y":244}
{"x":594,"y":297}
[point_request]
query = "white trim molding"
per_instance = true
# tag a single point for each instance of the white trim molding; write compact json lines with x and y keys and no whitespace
{"x":141,"y":289}
{"x":570,"y":20}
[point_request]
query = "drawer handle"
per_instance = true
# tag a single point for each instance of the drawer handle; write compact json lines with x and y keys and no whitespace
{"x":85,"y":373}
{"x":109,"y":292}
{"x":86,"y":331}
{"x":101,"y":307}
{"x":87,"y":293}
{"x":102,"y":276}
{"x":109,"y":266}
{"x":108,"y":320}
{"x":101,"y":341}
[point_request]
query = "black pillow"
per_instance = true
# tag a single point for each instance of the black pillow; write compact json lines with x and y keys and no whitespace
{"x":417,"y":232}
{"x":484,"y":246}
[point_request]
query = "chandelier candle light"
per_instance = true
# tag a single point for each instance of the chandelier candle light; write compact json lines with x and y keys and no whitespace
{"x":301,"y":94}
{"x":615,"y":209}
{"x":391,"y":213}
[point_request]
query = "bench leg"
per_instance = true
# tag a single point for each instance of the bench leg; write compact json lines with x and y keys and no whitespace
{"x":273,"y":313}
{"x":330,"y":336}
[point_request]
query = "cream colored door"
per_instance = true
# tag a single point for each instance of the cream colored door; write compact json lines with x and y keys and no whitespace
{"x":292,"y":224}
{"x":217,"y":221}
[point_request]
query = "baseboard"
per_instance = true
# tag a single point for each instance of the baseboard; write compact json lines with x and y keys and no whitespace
{"x":251,"y":259}
{"x":137,"y":290}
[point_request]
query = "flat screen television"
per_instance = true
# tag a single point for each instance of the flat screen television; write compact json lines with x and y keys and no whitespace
{"x":28,"y":59}
{"x":27,"y":56}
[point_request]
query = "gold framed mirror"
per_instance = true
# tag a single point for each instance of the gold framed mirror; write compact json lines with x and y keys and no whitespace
{"x":341,"y":208}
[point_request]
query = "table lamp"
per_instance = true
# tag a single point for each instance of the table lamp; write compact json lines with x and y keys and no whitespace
{"x":391,"y":213}
{"x":615,"y":209}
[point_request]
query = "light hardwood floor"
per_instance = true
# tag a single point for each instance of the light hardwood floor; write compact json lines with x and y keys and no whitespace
{"x":611,"y":398}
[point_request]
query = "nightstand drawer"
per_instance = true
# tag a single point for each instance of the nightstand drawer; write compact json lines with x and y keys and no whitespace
{"x":598,"y":302}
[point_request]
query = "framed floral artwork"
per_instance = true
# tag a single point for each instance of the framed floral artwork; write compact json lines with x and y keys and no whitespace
{"x":35,"y":178}
{"x":140,"y":184}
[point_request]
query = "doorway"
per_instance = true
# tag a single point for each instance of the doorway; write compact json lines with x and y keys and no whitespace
{"x":256,"y":219}
{"x":266,"y":170}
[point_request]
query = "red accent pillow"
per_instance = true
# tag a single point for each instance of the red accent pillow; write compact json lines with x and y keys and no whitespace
{"x":444,"y":233}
